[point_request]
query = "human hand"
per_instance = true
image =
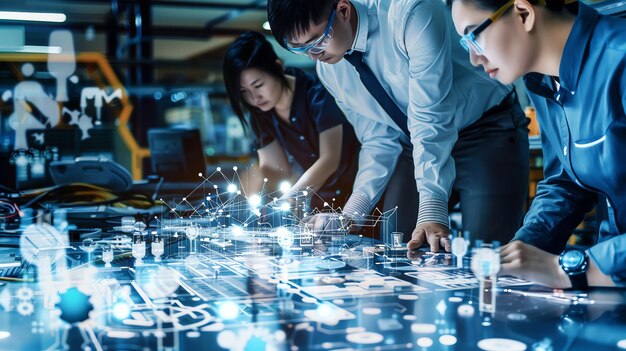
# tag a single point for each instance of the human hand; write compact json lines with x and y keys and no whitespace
{"x":328,"y":223}
{"x":531,"y":263}
{"x":434,"y":233}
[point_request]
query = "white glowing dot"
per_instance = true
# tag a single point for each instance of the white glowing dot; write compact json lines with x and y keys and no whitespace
{"x":254,"y":200}
{"x":215,"y":186}
{"x":208,"y":198}
{"x":622,"y":344}
{"x":447,"y":340}
{"x":228,"y":310}
{"x":219,"y":169}
{"x":325,"y":311}
{"x":280,"y":336}
{"x":232,"y":188}
{"x":275,"y":199}
{"x":199,"y":174}
{"x":465,"y":311}
{"x":4,"y":335}
{"x":237,"y":230}
{"x":423,"y":328}
{"x":285,"y":207}
{"x":495,"y":344}
{"x":424,"y":342}
{"x":184,"y":199}
{"x":326,"y":204}
{"x":121,"y":310}
{"x":227,"y":339}
{"x":265,"y":180}
{"x":305,"y":193}
{"x":284,"y":187}
{"x":235,"y":168}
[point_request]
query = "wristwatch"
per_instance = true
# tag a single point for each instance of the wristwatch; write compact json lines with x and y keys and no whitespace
{"x":575,"y":262}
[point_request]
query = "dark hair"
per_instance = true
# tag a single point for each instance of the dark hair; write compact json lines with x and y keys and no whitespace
{"x":493,"y":5}
{"x":250,"y":50}
{"x":288,"y":17}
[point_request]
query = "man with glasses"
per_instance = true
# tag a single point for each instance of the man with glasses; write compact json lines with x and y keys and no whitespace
{"x":429,"y":122}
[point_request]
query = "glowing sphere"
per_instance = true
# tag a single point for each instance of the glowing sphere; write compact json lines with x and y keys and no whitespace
{"x":284,"y":187}
{"x":228,"y":310}
{"x":121,"y":310}
{"x":254,"y":200}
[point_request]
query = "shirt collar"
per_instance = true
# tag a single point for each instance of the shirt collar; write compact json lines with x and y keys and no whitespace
{"x":574,"y":53}
{"x":536,"y":83}
{"x":360,"y":39}
{"x":576,"y":47}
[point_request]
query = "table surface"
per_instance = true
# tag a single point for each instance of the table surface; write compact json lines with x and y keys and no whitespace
{"x":259,"y":290}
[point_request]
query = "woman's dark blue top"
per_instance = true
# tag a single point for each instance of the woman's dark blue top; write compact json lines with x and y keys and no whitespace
{"x":313,"y":111}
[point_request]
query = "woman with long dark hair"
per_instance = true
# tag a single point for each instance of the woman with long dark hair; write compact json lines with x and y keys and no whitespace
{"x":292,"y":118}
{"x":573,"y":61}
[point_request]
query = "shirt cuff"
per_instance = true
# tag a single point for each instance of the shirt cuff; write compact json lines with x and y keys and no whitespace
{"x":433,"y":210}
{"x":358,"y":206}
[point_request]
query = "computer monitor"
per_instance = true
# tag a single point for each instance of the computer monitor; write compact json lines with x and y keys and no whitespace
{"x":176,"y":154}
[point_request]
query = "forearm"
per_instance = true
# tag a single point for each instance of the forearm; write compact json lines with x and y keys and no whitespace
{"x":252,"y":179}
{"x":376,"y":166}
{"x":315,"y":177}
{"x":274,"y":178}
{"x":554,"y":214}
{"x":595,"y":277}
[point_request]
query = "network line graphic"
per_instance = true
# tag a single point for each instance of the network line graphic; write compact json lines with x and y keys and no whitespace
{"x":220,"y":207}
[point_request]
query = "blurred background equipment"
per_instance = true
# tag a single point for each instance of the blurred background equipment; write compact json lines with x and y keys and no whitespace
{"x":176,"y":154}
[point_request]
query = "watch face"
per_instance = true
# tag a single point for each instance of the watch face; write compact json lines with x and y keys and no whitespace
{"x":572,"y":260}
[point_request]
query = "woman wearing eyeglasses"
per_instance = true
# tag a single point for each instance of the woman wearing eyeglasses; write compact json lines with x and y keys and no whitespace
{"x":292,"y":117}
{"x":574,"y":65}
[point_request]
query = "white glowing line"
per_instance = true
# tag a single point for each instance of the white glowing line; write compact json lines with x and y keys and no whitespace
{"x":32,"y":16}
{"x":586,"y":145}
{"x":32,"y":49}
